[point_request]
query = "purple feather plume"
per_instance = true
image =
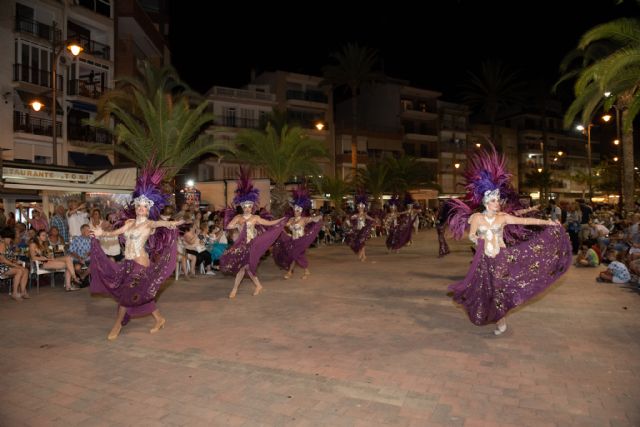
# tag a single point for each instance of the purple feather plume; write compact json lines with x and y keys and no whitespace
{"x":361,"y":197}
{"x":245,"y":191}
{"x":301,"y":197}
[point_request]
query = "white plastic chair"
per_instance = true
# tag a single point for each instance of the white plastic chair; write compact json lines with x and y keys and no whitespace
{"x":37,"y":269}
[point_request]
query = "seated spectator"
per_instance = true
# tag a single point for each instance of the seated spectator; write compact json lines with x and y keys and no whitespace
{"x":56,"y":241}
{"x":587,"y":257}
{"x":194,"y":247}
{"x":79,"y":250}
{"x":39,"y":251}
{"x":10,"y":267}
{"x":218,"y":238}
{"x":617,"y":272}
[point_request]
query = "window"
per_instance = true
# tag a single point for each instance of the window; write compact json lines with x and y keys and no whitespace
{"x":42,"y":160}
{"x":409,"y":149}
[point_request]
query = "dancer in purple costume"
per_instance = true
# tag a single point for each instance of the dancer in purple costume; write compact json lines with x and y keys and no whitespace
{"x":290,"y":248}
{"x":252,"y":242}
{"x":361,"y":225}
{"x":399,"y":226}
{"x":501,"y":278}
{"x":135,"y":282}
{"x":443,"y":214}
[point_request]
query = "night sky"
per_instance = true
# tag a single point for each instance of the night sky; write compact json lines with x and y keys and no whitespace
{"x":433,"y":50}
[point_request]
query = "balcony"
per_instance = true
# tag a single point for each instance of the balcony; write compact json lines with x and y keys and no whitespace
{"x":346,"y":158}
{"x":97,"y":6}
{"x":28,"y":124}
{"x":238,"y":122}
{"x":36,"y":76}
{"x":96,"y":49}
{"x":86,"y":88}
{"x":88,"y":134}
{"x":228,"y":92}
{"x":38,"y":29}
{"x":310,"y":95}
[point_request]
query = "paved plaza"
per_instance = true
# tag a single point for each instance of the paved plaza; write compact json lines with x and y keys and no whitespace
{"x":357,"y":344}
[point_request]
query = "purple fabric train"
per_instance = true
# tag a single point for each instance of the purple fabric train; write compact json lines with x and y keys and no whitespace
{"x":493,"y":286}
{"x":133,"y":285}
{"x":243,"y":253}
{"x":400,"y":234}
{"x":287,"y":250}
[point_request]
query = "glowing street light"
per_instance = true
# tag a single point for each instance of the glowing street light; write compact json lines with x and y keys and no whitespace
{"x":319,"y":125}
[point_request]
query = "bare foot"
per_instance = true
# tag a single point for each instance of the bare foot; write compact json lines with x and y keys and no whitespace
{"x":115,"y":331}
{"x":288,"y":275}
{"x":26,"y":296}
{"x":159,"y":325}
{"x":257,"y":290}
{"x":233,"y":293}
{"x":306,"y":274}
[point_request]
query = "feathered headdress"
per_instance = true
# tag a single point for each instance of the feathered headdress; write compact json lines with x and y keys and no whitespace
{"x":486,"y":178}
{"x":361,"y":198}
{"x":408,"y":200}
{"x":486,"y":172}
{"x":245,"y":191}
{"x":394,"y":201}
{"x":301,"y":197}
{"x":148,"y":191}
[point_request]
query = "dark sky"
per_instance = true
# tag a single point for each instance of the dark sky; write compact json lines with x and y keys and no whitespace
{"x":433,"y":49}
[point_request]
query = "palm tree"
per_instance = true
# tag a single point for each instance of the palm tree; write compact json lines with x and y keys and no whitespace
{"x":162,"y":131}
{"x":375,"y":180}
{"x":151,"y":80}
{"x":582,"y":179}
{"x":353,"y":69}
{"x":491,"y":92}
{"x":617,"y":72}
{"x":540,"y":180}
{"x":406,"y":173}
{"x":336,"y":189}
{"x":285,"y":155}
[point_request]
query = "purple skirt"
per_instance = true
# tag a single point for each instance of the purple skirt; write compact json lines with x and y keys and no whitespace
{"x":287,"y":250}
{"x":400,"y":235}
{"x":248,"y":254}
{"x":133,"y":285}
{"x":493,"y":286}
{"x":356,"y":239}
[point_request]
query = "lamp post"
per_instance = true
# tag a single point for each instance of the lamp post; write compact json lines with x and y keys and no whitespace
{"x":588,"y":132}
{"x":57,"y":46}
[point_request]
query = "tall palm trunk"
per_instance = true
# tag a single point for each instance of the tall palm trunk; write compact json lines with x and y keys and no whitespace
{"x":628,"y":196}
{"x":279,"y":200}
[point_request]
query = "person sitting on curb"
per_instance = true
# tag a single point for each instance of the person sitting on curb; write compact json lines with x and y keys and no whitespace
{"x":587,"y":257}
{"x":617,"y":272}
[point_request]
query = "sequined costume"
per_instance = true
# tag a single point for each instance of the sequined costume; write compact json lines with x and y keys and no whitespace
{"x":360,"y":232}
{"x":501,"y":278}
{"x":399,"y":229}
{"x":290,"y":248}
{"x":251,"y":244}
{"x":133,"y":285}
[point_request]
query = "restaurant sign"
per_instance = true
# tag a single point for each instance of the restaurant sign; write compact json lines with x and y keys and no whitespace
{"x":19,"y":173}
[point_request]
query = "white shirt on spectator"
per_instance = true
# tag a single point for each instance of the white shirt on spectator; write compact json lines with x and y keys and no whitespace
{"x":76,"y":220}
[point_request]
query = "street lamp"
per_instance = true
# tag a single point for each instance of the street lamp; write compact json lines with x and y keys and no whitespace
{"x":582,"y":129}
{"x":58,"y":47}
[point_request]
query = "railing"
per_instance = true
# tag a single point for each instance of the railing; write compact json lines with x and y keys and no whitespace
{"x":44,"y":31}
{"x":97,"y":6}
{"x":86,"y":88}
{"x":310,"y":95}
{"x":97,"y":49}
{"x":36,"y":76}
{"x":242,"y":93}
{"x":25,"y":123}
{"x":88,"y":134}
{"x":238,"y":122}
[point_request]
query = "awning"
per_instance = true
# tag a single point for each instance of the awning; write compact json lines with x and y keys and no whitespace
{"x":89,"y":160}
{"x":53,"y":185}
{"x":27,"y":98}
{"x":123,"y":177}
{"x":84,"y":106}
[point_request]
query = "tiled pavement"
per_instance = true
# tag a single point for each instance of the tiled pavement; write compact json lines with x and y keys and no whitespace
{"x":357,"y":344}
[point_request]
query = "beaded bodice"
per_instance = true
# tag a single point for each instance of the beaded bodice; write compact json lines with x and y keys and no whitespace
{"x":361,"y":220}
{"x":296,"y":227}
{"x":136,"y":238}
{"x":492,"y":234}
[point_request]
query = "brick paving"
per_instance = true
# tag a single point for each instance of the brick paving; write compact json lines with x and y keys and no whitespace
{"x":357,"y":344}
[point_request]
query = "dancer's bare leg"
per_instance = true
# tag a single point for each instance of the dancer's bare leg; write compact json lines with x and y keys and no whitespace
{"x":160,"y":321}
{"x":239,"y":278}
{"x":362,"y":255}
{"x":306,"y":274}
{"x":290,"y":272}
{"x":256,"y":282}
{"x":115,"y":331}
{"x":501,"y":326}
